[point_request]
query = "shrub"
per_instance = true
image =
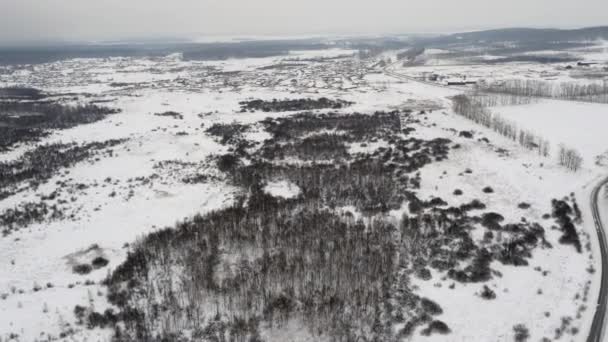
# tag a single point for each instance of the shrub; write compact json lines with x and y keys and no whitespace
{"x":466,"y":134}
{"x":488,"y":190}
{"x":430,"y":307}
{"x":487,"y":293}
{"x":424,"y":274}
{"x":458,"y":192}
{"x":436,"y":327}
{"x":492,"y":220}
{"x":523,"y":205}
{"x":82,"y":269}
{"x":521,"y":333}
{"x":99,"y":262}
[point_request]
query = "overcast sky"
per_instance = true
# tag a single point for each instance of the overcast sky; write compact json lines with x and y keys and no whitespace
{"x":34,"y":20}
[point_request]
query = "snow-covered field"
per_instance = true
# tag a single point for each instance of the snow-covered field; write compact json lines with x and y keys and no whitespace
{"x":450,"y":66}
{"x":139,"y":190}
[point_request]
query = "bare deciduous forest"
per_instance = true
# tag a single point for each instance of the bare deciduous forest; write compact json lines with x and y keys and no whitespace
{"x":477,"y":109}
{"x":593,"y":92}
{"x":330,"y":259}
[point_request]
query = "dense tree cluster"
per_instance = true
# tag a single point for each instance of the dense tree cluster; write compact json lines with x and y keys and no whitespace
{"x":42,"y":162}
{"x":570,"y":158}
{"x":171,"y":114}
{"x":28,"y":121}
{"x":307,"y":259}
{"x":21,"y":93}
{"x":591,"y":92}
{"x":475,"y":108}
{"x":293,"y":105}
{"x":565,"y":216}
{"x":228,"y":133}
{"x":27,"y":213}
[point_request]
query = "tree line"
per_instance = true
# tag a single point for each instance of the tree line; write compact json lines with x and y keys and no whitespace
{"x":476,"y":109}
{"x":589,"y":92}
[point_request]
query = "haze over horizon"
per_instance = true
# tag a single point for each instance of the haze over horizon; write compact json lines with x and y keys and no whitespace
{"x":71,"y":20}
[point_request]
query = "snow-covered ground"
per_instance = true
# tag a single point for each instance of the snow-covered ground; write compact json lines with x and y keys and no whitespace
{"x":209,"y":92}
{"x":574,"y":124}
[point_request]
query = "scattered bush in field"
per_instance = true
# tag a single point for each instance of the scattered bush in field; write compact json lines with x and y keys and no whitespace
{"x":458,"y":192}
{"x":488,"y":190}
{"x":430,"y":307}
{"x":28,"y":213}
{"x":487,"y":293}
{"x":570,"y":158}
{"x":523,"y":205}
{"x":473,"y":205}
{"x":293,"y":105}
{"x":466,"y":134}
{"x":80,"y":313}
{"x":97,"y":320}
{"x":521,"y":332}
{"x":82,"y":269}
{"x":562,"y":212}
{"x":99,"y":262}
{"x":492,"y":220}
{"x":172,"y":114}
{"x":42,"y":162}
{"x":436,"y":327}
{"x":228,"y":133}
{"x":28,"y":121}
{"x":21,"y":93}
{"x":228,"y":162}
{"x":424,"y":274}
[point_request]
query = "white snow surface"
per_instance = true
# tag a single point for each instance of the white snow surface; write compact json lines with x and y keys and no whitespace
{"x":42,"y":253}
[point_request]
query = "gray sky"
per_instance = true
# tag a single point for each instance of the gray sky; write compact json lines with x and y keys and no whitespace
{"x":28,"y":20}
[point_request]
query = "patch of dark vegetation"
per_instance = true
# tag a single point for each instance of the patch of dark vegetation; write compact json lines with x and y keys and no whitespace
{"x":21,"y":93}
{"x":274,"y":261}
{"x":27,"y":213}
{"x":28,"y":121}
{"x":522,"y":334}
{"x":99,"y":262}
{"x":289,"y":105}
{"x":231,"y":134}
{"x":458,"y":192}
{"x":492,"y":220}
{"x":9,"y":136}
{"x":228,"y":163}
{"x":488,"y":190}
{"x":438,"y":327}
{"x":82,"y":269}
{"x":196,"y":179}
{"x":529,"y":58}
{"x":42,"y":163}
{"x":524,"y":205}
{"x":487,"y":293}
{"x":466,"y":134}
{"x":94,"y":319}
{"x":431,"y":307}
{"x":356,"y":126}
{"x":323,"y":146}
{"x":563,"y":214}
{"x":171,"y":114}
{"x":282,"y":66}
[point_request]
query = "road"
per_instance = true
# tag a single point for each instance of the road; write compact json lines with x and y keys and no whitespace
{"x":599,"y":318}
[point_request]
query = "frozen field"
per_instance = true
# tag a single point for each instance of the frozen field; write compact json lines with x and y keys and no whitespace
{"x":117,"y":199}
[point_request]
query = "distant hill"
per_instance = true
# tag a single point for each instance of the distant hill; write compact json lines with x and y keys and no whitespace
{"x":524,"y":35}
